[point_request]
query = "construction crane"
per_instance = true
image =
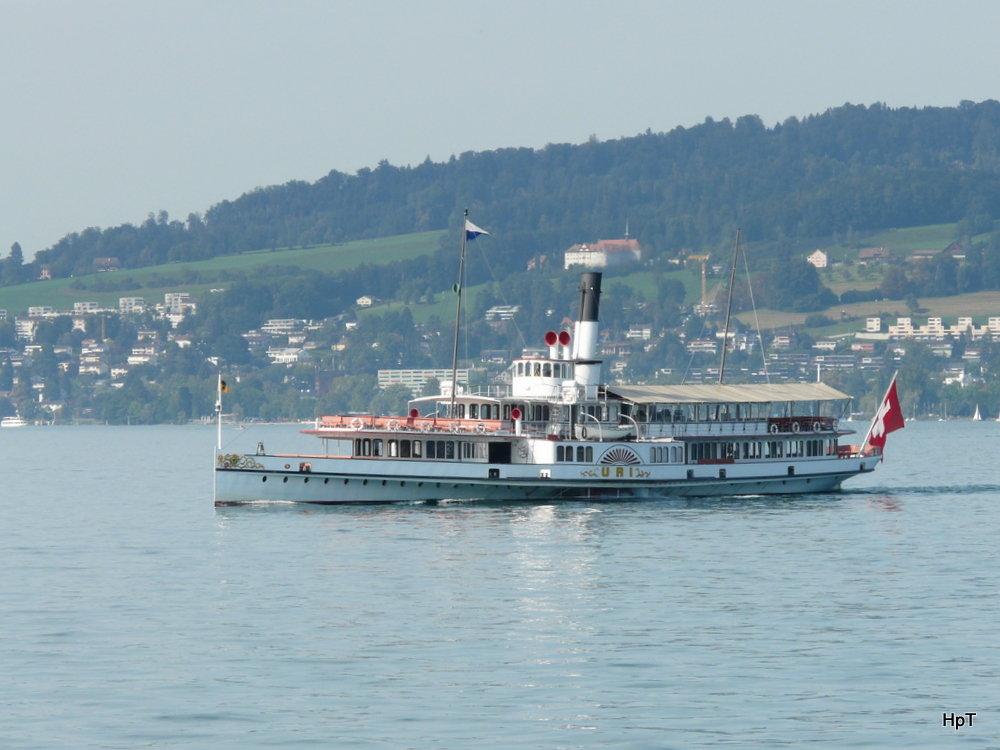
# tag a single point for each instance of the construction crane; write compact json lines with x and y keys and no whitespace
{"x":704,"y":277}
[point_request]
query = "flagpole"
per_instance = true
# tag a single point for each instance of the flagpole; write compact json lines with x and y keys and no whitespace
{"x":872,"y":425}
{"x":458,"y":315}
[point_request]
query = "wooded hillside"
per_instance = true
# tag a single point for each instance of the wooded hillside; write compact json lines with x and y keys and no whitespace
{"x":850,"y":169}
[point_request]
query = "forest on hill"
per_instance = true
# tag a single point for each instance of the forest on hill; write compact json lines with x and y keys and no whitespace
{"x":851,"y":169}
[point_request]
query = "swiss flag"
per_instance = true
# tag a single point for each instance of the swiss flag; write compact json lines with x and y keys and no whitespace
{"x":889,"y":418}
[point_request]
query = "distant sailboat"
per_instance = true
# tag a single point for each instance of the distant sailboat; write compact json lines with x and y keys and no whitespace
{"x":977,"y":417}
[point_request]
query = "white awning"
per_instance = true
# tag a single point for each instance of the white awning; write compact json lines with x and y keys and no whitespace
{"x":755,"y":393}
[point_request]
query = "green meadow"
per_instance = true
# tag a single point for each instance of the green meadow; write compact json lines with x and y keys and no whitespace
{"x":904,"y":241}
{"x":153,"y":282}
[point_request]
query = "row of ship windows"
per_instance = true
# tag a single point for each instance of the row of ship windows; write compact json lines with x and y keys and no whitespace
{"x":443,"y":449}
{"x":667,"y":454}
{"x":449,"y":450}
{"x":530,"y":413}
{"x":764,"y":449}
{"x":480,"y":411}
{"x":562,"y":370}
{"x":698,"y":412}
{"x":584,"y":454}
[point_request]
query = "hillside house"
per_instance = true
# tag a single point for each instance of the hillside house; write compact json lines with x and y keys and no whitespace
{"x":415,"y":379}
{"x":874,"y":255}
{"x":956,"y":251}
{"x":819,"y":259}
{"x":103,"y":265}
{"x":643,"y":332}
{"x":129,"y":305}
{"x":501,"y":312}
{"x":604,"y":253}
{"x":25,"y":328}
{"x":282,"y":326}
{"x":288,"y":355}
{"x":703,"y":346}
{"x":177,"y":302}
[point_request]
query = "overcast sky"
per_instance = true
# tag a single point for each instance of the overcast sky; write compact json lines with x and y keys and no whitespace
{"x":111,"y":110}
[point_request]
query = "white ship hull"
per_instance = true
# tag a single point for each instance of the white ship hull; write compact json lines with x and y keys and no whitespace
{"x":341,"y":481}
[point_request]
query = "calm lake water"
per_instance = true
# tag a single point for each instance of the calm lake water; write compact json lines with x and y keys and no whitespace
{"x":134,"y":614}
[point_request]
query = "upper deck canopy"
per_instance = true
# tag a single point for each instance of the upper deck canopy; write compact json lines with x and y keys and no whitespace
{"x":756,"y":393}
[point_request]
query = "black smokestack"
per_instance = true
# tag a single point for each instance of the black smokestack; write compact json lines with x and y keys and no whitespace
{"x":590,"y":296}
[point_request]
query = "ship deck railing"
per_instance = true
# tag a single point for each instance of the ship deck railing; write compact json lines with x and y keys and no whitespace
{"x":495,"y":390}
{"x":778,"y":427}
{"x":339,"y":423}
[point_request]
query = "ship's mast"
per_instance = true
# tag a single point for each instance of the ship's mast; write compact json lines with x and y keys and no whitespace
{"x":729,"y":308}
{"x":458,"y":314}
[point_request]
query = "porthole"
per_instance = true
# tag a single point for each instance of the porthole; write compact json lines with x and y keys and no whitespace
{"x":383,"y":483}
{"x":402,"y":484}
{"x":263,"y":479}
{"x":438,"y":484}
{"x":305,"y":481}
{"x":284,"y":479}
{"x":365,"y":482}
{"x":325,"y":481}
{"x":346,"y":481}
{"x":420,"y":484}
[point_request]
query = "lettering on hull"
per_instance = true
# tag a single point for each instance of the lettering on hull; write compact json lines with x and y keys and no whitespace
{"x":615,"y":472}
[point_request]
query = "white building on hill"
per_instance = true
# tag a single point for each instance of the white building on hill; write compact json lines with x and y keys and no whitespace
{"x":415,"y":379}
{"x":604,"y":253}
{"x":820,"y":259}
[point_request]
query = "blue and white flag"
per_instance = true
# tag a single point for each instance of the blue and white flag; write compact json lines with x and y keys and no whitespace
{"x":472,"y":231}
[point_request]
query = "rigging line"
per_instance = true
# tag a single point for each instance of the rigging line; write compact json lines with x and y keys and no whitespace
{"x":465,"y":313}
{"x":241,"y":436}
{"x":513,"y":318}
{"x":729,"y":308}
{"x":753,"y":304}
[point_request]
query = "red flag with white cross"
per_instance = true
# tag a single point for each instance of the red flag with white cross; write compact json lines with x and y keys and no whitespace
{"x":888,"y":418}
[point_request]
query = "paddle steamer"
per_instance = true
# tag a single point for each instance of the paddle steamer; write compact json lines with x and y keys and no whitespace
{"x":555,"y":431}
